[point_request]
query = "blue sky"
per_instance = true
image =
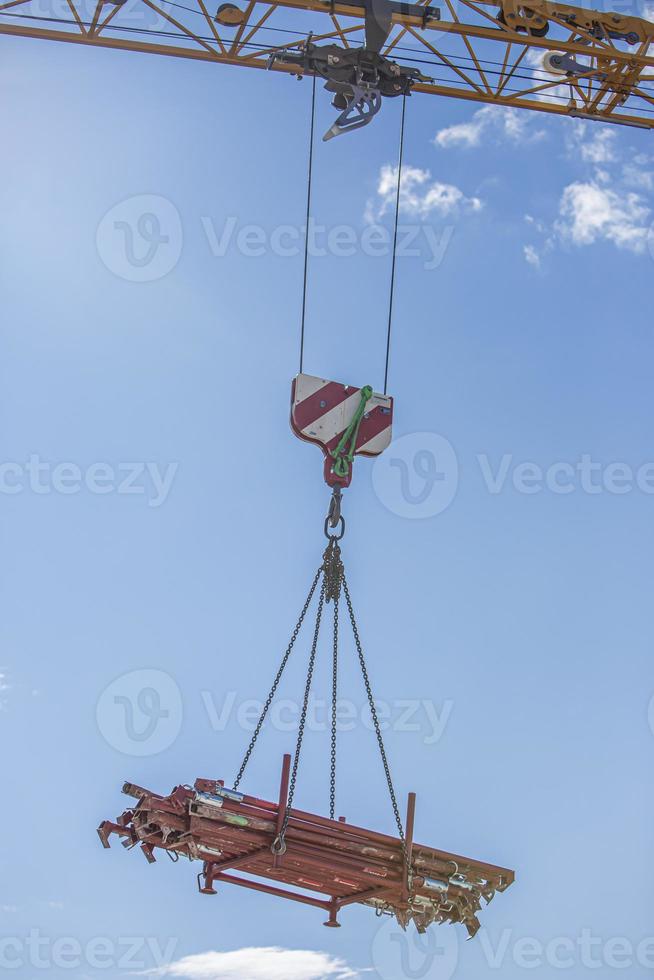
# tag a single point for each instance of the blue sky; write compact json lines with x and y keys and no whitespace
{"x":158,"y":516}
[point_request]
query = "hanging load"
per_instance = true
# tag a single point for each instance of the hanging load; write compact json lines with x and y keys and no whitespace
{"x":337,"y":863}
{"x":334,"y":863}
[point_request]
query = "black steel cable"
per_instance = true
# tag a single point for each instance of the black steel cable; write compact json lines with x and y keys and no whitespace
{"x":393,"y":262}
{"x":306,"y":237}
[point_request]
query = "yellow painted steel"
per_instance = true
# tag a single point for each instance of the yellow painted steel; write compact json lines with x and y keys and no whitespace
{"x":475,"y":52}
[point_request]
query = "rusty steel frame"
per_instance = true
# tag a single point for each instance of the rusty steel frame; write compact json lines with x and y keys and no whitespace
{"x":341,"y":864}
{"x":458,"y":46}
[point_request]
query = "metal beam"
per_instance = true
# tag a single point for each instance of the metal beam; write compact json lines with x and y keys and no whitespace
{"x":481,"y":60}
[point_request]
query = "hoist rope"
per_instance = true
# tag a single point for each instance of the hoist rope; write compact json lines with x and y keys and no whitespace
{"x":306,"y":237}
{"x":395,"y":233}
{"x":397,"y":215}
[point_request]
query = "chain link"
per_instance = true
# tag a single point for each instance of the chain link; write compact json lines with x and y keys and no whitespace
{"x":279,"y":844}
{"x":333,"y":567}
{"x":373,"y":712}
{"x":278,"y":678}
{"x":332,"y":771}
{"x":333,"y":582}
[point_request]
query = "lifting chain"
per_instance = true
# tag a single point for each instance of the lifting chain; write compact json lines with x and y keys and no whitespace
{"x":279,"y":844}
{"x":334,"y":573}
{"x":373,"y":711}
{"x":332,"y":768}
{"x":333,"y":569}
{"x":334,"y":583}
{"x":273,"y":690}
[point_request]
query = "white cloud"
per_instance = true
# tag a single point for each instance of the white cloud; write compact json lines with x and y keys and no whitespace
{"x":535,"y":223}
{"x":636,"y":173}
{"x":532,"y":256}
{"x":490,"y":121}
{"x":596,"y":146}
{"x":4,"y":687}
{"x":462,"y":134}
{"x":602,"y":176}
{"x":420,"y":195}
{"x":517,"y":126}
{"x":264,"y":963}
{"x":600,"y":148}
{"x":609,"y":202}
{"x":534,"y":59}
{"x":589,"y":213}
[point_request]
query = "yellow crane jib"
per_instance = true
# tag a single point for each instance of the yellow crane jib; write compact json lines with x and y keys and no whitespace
{"x":593,"y":64}
{"x":536,"y":18}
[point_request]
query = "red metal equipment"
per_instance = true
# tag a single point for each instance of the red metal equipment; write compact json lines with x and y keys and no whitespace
{"x":342,"y":420}
{"x":334,"y":863}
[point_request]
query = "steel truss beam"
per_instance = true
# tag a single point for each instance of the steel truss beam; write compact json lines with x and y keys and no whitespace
{"x":470,"y":53}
